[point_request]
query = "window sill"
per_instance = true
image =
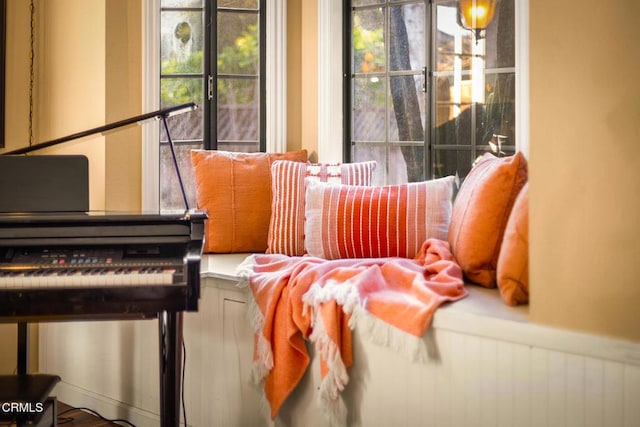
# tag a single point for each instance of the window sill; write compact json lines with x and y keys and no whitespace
{"x":482,"y":313}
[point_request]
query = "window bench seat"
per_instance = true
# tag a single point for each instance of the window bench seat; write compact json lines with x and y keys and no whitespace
{"x":490,"y":364}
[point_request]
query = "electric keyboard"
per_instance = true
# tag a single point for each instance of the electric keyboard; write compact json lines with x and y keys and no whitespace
{"x":118,"y":265}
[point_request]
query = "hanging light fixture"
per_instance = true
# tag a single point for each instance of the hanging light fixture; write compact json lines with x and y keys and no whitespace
{"x":476,"y":15}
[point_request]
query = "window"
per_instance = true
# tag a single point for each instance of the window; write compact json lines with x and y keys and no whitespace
{"x":220,"y":67}
{"x":426,"y":96}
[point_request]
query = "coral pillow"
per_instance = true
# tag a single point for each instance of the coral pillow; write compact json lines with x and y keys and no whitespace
{"x":346,"y":221}
{"x":513,"y":262}
{"x":235,"y":190}
{"x":286,"y":228}
{"x":480,"y":214}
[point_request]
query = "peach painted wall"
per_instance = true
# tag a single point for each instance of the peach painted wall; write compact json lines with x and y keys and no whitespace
{"x":585,"y":165}
{"x":302,"y":76}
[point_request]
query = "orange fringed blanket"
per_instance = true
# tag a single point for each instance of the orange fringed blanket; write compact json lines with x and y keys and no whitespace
{"x":298,"y":298}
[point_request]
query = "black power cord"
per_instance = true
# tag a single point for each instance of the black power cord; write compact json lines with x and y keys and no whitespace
{"x":66,"y":420}
{"x":184,"y":365}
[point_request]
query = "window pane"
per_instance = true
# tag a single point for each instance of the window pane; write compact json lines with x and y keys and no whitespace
{"x":406,"y":109}
{"x":454,"y":44}
{"x":365,"y":2}
{"x":409,"y":162}
{"x":176,"y":91}
{"x":499,"y":110}
{"x":453,"y":113}
{"x":238,"y":110}
{"x":392,"y":166}
{"x":185,"y":127}
{"x":406,"y":40}
{"x":368,"y":41}
{"x":170,"y":195}
{"x":450,"y":162}
{"x":188,"y":126}
{"x":182,"y":3}
{"x":182,"y":43}
{"x":444,"y":107}
{"x":238,"y":43}
{"x":377,"y":152}
{"x":500,"y":39}
{"x":368,"y":109}
{"x":239,"y":4}
{"x":243,"y":147}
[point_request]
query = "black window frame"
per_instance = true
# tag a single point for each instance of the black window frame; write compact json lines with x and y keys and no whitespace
{"x":211,"y":71}
{"x":210,"y":74}
{"x":431,"y":147}
{"x":348,"y":75}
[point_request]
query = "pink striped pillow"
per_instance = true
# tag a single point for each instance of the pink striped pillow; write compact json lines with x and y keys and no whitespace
{"x":286,"y":228}
{"x":373,"y":222}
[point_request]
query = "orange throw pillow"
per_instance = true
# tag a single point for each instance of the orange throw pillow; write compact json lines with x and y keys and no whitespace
{"x":513,"y":262}
{"x":480,"y":214}
{"x":235,"y":190}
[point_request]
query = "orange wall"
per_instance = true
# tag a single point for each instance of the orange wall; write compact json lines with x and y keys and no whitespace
{"x":123,"y":90}
{"x":69,"y":86}
{"x":87,"y":73}
{"x":302,"y":76}
{"x":17,"y":75}
{"x":585,"y":165}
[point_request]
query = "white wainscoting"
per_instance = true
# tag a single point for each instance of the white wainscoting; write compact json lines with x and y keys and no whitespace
{"x":487,"y":367}
{"x":474,"y":381}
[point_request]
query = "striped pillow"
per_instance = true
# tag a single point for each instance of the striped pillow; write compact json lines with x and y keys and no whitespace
{"x":286,"y":228}
{"x":373,"y":222}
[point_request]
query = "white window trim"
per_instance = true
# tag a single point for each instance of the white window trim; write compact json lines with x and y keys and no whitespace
{"x":150,"y":102}
{"x":276,"y":91}
{"x":330,"y":120}
{"x":330,"y":123}
{"x":522,"y":76}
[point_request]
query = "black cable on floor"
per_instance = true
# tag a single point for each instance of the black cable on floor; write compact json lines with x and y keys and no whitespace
{"x":64,"y":420}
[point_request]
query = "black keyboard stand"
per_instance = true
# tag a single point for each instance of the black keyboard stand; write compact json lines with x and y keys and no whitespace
{"x":170,"y":335}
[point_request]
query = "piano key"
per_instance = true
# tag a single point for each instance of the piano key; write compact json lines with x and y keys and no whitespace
{"x":85,"y":278}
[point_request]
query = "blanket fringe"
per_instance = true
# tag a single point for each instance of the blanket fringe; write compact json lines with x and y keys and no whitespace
{"x":386,"y":335}
{"x":334,"y":411}
{"x":263,"y":362}
{"x":244,"y":270}
{"x":330,"y":399}
{"x":346,"y":296}
{"x":375,"y":330}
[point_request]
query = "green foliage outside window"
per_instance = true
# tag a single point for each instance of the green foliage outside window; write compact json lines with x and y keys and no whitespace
{"x":175,"y":91}
{"x":369,"y":57}
{"x":239,"y":58}
{"x":242,"y":56}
